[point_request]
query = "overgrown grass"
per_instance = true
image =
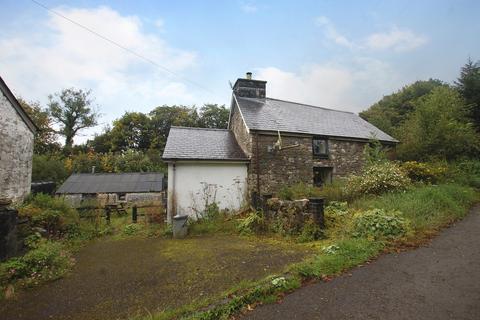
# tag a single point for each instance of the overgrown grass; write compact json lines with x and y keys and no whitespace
{"x":427,"y":207}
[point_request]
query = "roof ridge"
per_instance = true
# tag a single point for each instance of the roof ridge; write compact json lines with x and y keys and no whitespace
{"x":198,"y":128}
{"x":310,"y":105}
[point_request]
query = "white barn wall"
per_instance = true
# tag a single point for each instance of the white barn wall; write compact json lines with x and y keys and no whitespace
{"x":195,"y":182}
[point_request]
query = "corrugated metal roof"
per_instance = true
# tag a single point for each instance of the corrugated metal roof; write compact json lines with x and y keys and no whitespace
{"x":272,"y":115}
{"x":113,"y":183}
{"x":202,"y":144}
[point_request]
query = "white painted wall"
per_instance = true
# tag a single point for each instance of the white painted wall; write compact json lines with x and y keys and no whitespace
{"x":195,"y":182}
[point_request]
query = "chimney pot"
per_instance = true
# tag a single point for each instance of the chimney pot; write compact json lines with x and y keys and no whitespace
{"x":249,"y":75}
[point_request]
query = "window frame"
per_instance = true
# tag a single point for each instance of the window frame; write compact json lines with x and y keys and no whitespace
{"x":320,"y":155}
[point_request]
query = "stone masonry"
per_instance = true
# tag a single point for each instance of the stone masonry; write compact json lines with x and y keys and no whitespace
{"x":16,"y":149}
{"x":279,"y":168}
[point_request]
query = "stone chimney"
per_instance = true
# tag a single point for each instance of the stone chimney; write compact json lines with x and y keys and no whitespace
{"x":249,"y":87}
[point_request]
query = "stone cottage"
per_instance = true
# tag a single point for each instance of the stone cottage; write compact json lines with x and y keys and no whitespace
{"x":269,"y":143}
{"x":16,"y":147}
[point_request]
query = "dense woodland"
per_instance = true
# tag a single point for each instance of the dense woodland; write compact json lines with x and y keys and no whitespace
{"x":433,"y":120}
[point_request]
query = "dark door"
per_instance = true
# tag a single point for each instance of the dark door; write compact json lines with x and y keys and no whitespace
{"x":322,"y":176}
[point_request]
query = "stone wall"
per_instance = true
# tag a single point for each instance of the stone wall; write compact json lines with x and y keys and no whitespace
{"x":8,"y":232}
{"x":16,"y":149}
{"x":240,"y":131}
{"x":293,"y":165}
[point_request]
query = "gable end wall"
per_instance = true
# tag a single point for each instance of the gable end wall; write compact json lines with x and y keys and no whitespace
{"x":16,"y":149}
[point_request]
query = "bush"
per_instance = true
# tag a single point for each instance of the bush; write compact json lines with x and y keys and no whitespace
{"x":254,"y":222}
{"x":466,"y":172}
{"x":47,"y":261}
{"x":379,"y":224}
{"x":423,"y":171}
{"x":48,"y":168}
{"x":334,"y":191}
{"x":298,"y":191}
{"x":50,"y":213}
{"x":310,"y":232}
{"x":377,"y":179}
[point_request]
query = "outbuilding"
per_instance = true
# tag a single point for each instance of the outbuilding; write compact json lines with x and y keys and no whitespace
{"x":205,"y":166}
{"x":139,"y":188}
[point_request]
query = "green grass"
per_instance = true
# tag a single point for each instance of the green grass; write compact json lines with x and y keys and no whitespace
{"x":350,"y":253}
{"x":427,"y":207}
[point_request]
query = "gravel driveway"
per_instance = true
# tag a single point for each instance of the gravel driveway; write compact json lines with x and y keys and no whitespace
{"x":438,"y":281}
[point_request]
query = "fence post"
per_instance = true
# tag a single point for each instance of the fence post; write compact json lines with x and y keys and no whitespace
{"x":134,"y":214}
{"x":107,"y":214}
{"x":316,"y":209}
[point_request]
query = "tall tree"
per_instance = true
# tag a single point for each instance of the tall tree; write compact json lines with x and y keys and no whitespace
{"x":468,"y":84}
{"x":163,"y":117}
{"x":438,"y":128}
{"x":392,"y":110}
{"x":72,"y":110}
{"x":45,"y":138}
{"x":214,"y":116}
{"x":131,"y":131}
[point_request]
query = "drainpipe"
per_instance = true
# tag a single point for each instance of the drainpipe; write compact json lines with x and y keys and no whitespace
{"x":171,"y":196}
{"x":258,"y":165}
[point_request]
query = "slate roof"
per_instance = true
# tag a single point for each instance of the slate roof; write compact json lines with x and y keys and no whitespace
{"x":272,"y":115}
{"x":17,"y":106}
{"x":112,"y":183}
{"x":202,"y":144}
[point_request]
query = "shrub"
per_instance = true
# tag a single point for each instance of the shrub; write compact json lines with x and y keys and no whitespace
{"x":49,"y":213}
{"x":423,"y":171}
{"x":254,"y":222}
{"x":310,"y":232}
{"x":298,"y":191}
{"x":47,"y":261}
{"x":466,"y":172}
{"x":334,"y":191}
{"x":131,"y":229}
{"x":377,"y":179}
{"x":379,"y":224}
{"x":336,"y":208}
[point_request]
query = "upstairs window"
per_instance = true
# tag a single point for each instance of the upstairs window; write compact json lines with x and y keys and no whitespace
{"x":320,"y":147}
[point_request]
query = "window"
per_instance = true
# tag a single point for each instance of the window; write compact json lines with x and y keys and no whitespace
{"x":322,"y":176}
{"x":320,"y":147}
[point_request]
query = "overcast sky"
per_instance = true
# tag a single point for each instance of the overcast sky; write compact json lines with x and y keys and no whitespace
{"x":337,"y":54}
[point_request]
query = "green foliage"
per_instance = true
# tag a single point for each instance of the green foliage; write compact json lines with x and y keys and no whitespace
{"x":348,"y":253}
{"x":310,"y":232}
{"x":254,"y":222}
{"x":336,"y":208}
{"x":465,"y":172}
{"x":468,"y":84}
{"x":48,"y":168}
{"x":298,"y":191}
{"x":50,"y":213}
{"x":391,"y":111}
{"x":45,"y":137}
{"x":214,"y":116}
{"x":438,"y":128}
{"x":47,"y":261}
{"x":374,"y":152}
{"x":131,"y":229}
{"x":379,"y":224}
{"x":334,"y":191}
{"x":72,"y":110}
{"x":426,"y":207}
{"x":377,"y":179}
{"x":424,"y":171}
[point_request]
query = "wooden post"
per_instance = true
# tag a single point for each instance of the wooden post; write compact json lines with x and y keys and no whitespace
{"x":134,"y":214}
{"x":107,"y":214}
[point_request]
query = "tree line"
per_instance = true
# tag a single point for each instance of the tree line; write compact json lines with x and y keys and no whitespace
{"x":134,"y":142}
{"x":432,"y":119}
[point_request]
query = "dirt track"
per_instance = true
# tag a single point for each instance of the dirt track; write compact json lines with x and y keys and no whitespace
{"x":438,"y":281}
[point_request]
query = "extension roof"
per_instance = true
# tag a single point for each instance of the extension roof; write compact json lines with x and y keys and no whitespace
{"x":202,"y":144}
{"x":17,"y":106}
{"x":267,"y":114}
{"x":92,"y":183}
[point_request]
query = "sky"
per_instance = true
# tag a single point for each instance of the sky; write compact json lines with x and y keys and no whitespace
{"x":344,"y":55}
